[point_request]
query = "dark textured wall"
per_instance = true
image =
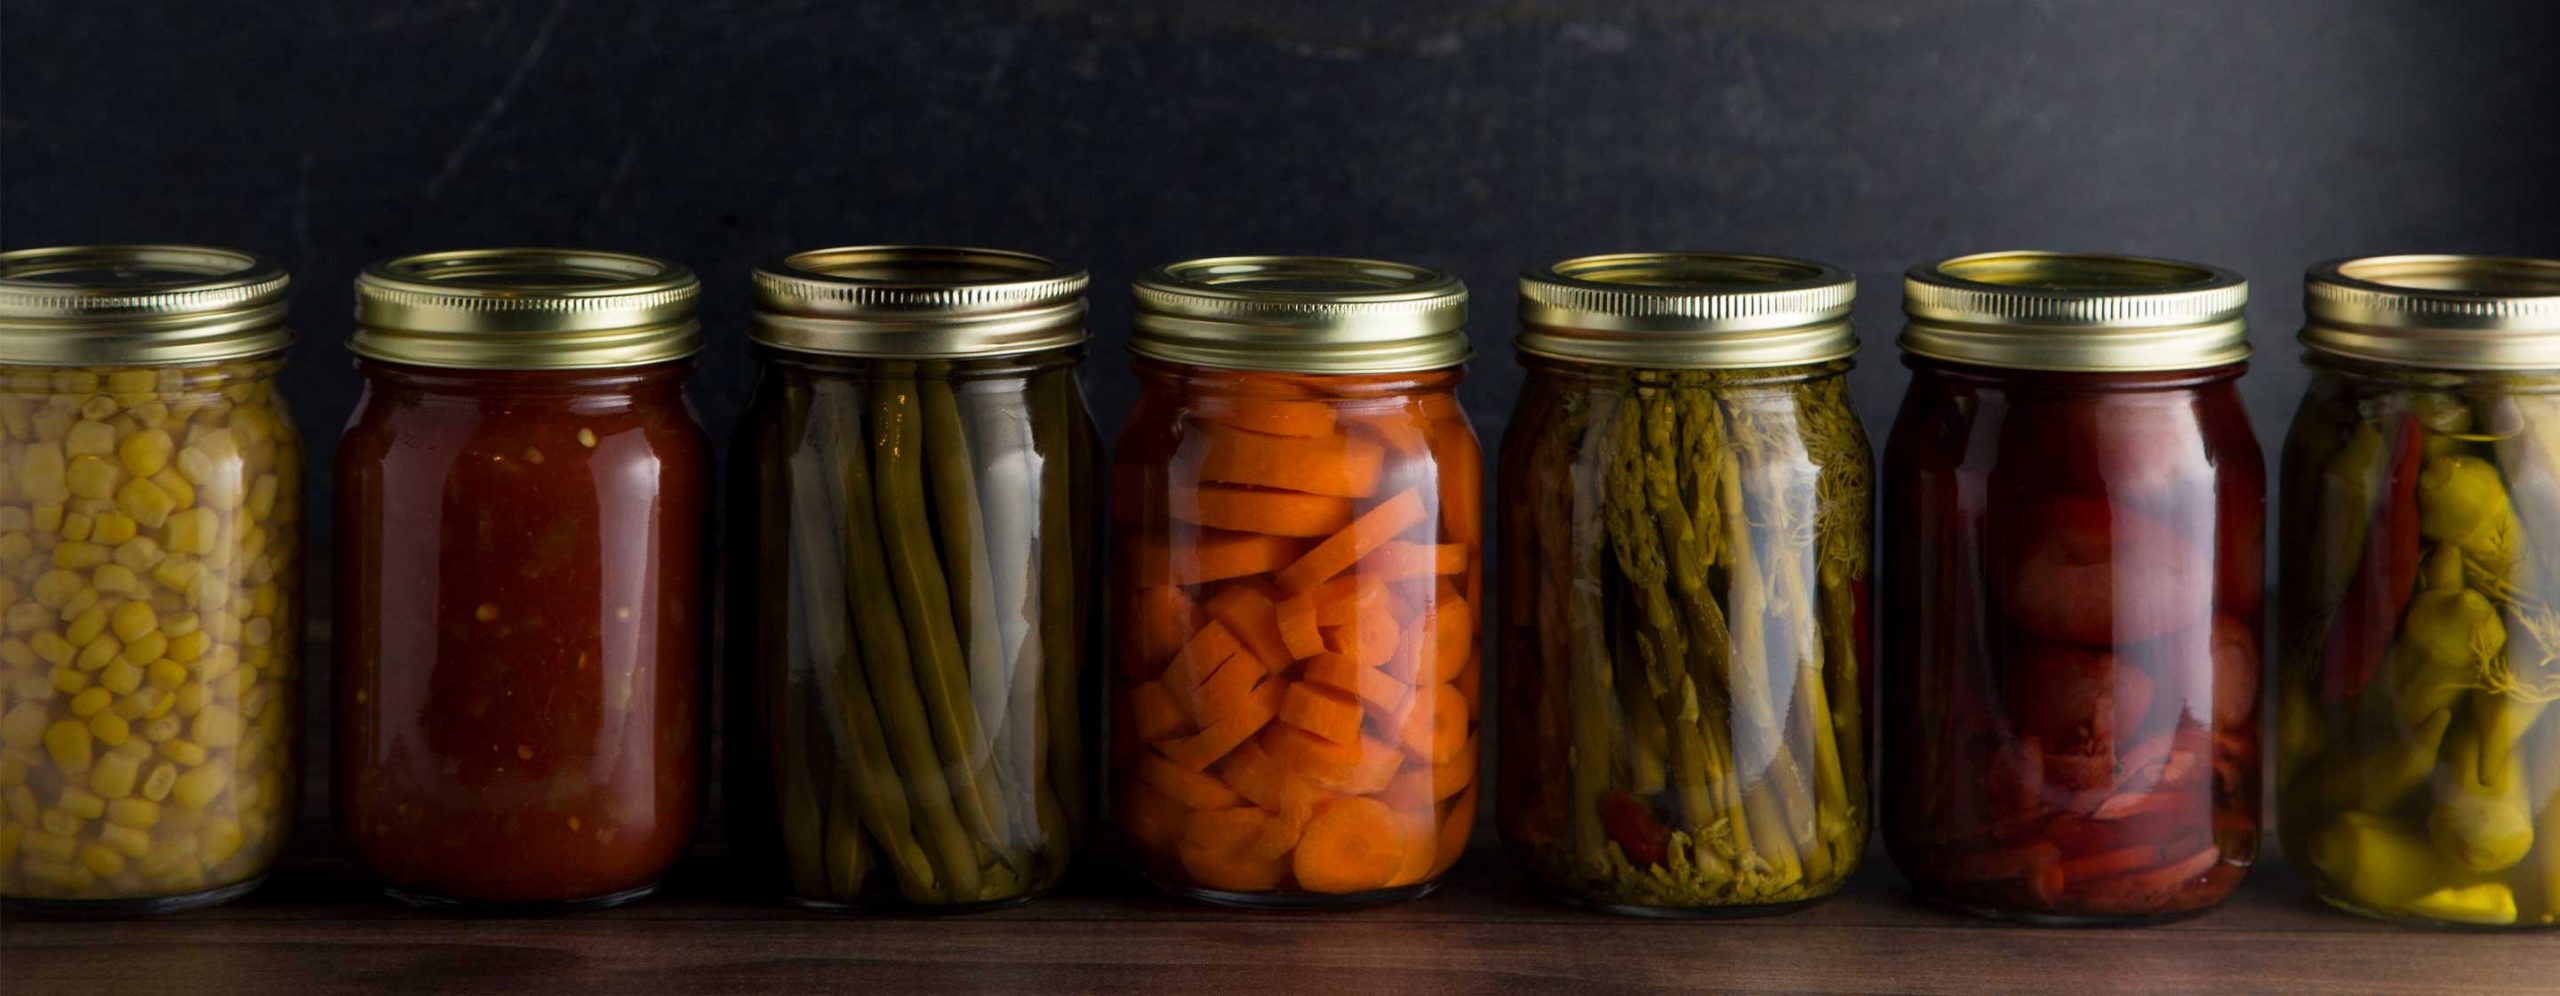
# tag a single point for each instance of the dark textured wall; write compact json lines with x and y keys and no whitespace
{"x":1872,"y":133}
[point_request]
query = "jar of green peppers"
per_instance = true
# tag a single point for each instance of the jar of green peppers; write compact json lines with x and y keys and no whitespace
{"x":2419,"y":760}
{"x":1685,"y":505}
{"x":910,"y":563}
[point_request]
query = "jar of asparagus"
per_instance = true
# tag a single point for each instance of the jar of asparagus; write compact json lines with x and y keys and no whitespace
{"x":913,"y":492}
{"x":2073,"y":526}
{"x":2418,"y":772}
{"x":1684,"y":515}
{"x":150,"y":578}
{"x":1297,"y":511}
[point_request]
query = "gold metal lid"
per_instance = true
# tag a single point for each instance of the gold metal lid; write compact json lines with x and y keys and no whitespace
{"x":1687,"y":310}
{"x":1301,"y":314}
{"x":918,"y":302}
{"x":526,"y":309}
{"x":2453,"y":312}
{"x":139,"y":305}
{"x":2075,"y":312}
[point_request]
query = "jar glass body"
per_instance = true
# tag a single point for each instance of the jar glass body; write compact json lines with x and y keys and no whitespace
{"x":151,"y":569}
{"x":2418,"y":775}
{"x":908,"y":620}
{"x":1683,"y":637}
{"x":2071,"y":728}
{"x":522,"y":606}
{"x":1297,"y":570}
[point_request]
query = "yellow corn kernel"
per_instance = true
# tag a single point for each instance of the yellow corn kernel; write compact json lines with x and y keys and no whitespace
{"x":133,"y":380}
{"x":112,"y":529}
{"x":224,"y":688}
{"x":28,"y":617}
{"x":76,"y":526}
{"x":159,"y":728}
{"x":92,"y":476}
{"x":79,"y":556}
{"x":16,"y":546}
{"x":262,"y":497}
{"x":173,"y":484}
{"x":81,"y":803}
{"x":192,"y":531}
{"x":145,"y":453}
{"x":89,"y":438}
{"x":132,"y":619}
{"x":165,"y":673}
{"x":127,"y":841}
{"x":68,"y":741}
{"x":101,"y":859}
{"x":58,"y":820}
{"x":40,"y":473}
{"x":197,"y":788}
{"x":10,"y":836}
{"x":156,"y":785}
{"x":49,"y":515}
{"x":69,"y":680}
{"x":86,"y":626}
{"x":211,"y":593}
{"x":220,"y":840}
{"x":180,"y":624}
{"x":262,"y":600}
{"x":122,"y":676}
{"x":115,"y":579}
{"x":182,"y":751}
{"x":136,"y":706}
{"x":110,"y":729}
{"x":183,"y":648}
{"x":98,"y":653}
{"x":115,"y":775}
{"x":91,"y":701}
{"x":21,"y":801}
{"x":254,"y":701}
{"x":53,"y":648}
{"x":216,"y":727}
{"x":13,"y":772}
{"x":190,"y":698}
{"x":80,"y":603}
{"x":146,"y":648}
{"x":138,"y":814}
{"x":146,"y":501}
{"x":22,"y":728}
{"x":99,"y":409}
{"x":49,"y":845}
{"x":177,"y":573}
{"x":15,"y":520}
{"x":141,"y":553}
{"x":15,"y":653}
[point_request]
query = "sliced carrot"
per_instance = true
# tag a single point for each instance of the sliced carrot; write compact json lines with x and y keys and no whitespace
{"x":1332,"y":670}
{"x":1436,"y":729}
{"x":1419,"y":829}
{"x":1299,"y":632}
{"x":1452,"y":640}
{"x":1208,"y":647}
{"x":1227,"y":692}
{"x":1200,"y":750}
{"x":1160,"y":618}
{"x":1453,"y":777}
{"x":1352,"y":845}
{"x":1470,"y":684}
{"x":1397,"y":560}
{"x":1372,"y":641}
{"x":1455,"y":826}
{"x":1368,"y":532}
{"x":1190,"y":788}
{"x":1152,"y":819}
{"x":1365,"y":766}
{"x":1343,"y":600}
{"x":1245,"y":606}
{"x":1322,"y":711}
{"x":1406,"y":663}
{"x":1156,"y":713}
{"x":1212,"y":555}
{"x":1269,"y":416}
{"x":1257,"y":510}
{"x":1270,"y":782}
{"x":1460,"y":463}
{"x":1224,"y":852}
{"x":1399,"y":429}
{"x":1247,"y":830}
{"x":1339,"y":465}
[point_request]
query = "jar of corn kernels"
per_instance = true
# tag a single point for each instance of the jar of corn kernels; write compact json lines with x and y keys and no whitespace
{"x":150,"y":571}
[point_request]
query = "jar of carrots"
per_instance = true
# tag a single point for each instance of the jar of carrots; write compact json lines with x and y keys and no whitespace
{"x":1684,"y":517}
{"x":2074,"y":512}
{"x":1298,"y":522}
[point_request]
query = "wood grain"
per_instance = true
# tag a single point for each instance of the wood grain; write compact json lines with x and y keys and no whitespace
{"x":316,"y":929}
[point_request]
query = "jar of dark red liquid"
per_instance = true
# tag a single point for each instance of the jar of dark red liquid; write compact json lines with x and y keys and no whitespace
{"x":2074,"y":512}
{"x":523,"y":500}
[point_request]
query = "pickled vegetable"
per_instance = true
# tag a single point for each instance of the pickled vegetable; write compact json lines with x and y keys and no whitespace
{"x":2420,"y":775}
{"x":910,"y":626}
{"x":1299,"y":571}
{"x":150,"y":586}
{"x":1682,"y":699}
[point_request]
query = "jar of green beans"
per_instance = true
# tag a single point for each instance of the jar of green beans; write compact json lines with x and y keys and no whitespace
{"x":908,"y":579}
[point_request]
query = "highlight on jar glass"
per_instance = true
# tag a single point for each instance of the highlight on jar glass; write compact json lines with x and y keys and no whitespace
{"x":1298,"y":520}
{"x":2418,"y":764}
{"x":523,"y":509}
{"x":1684,"y":514}
{"x":150,"y":578}
{"x":2074,"y":515}
{"x":912,"y":515}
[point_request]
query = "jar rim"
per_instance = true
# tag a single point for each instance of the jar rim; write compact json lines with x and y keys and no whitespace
{"x":1301,"y":314}
{"x":2067,"y":311}
{"x":139,"y":305}
{"x":918,"y":302}
{"x":1687,"y":310}
{"x":526,"y":308}
{"x":2446,"y":310}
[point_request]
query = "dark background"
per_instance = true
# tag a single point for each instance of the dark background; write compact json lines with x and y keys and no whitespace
{"x":2259,"y":135}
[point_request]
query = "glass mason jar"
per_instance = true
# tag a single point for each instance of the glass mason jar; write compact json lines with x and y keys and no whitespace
{"x":1297,"y":506}
{"x":523,"y":502}
{"x":910,"y":526}
{"x":2418,"y":768}
{"x":151,"y":578}
{"x":2073,"y":528}
{"x":1684,"y":514}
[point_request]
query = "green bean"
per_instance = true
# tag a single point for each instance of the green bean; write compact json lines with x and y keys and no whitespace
{"x":792,"y":770}
{"x":848,"y":855}
{"x":950,"y":479}
{"x":1064,"y":437}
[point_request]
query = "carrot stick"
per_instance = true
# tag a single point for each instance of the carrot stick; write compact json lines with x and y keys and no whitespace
{"x":1352,"y":845}
{"x":1322,"y":711}
{"x":1155,"y":713}
{"x":1208,"y":647}
{"x":1211,"y":555}
{"x":1460,"y":463}
{"x":1256,"y":510}
{"x":1400,"y":430}
{"x":1299,"y":629}
{"x":1338,"y":465}
{"x":1160,"y":619}
{"x":1372,"y":529}
{"x":1270,"y":416}
{"x":1436,"y":730}
{"x":1227,"y":692}
{"x":1247,"y":610}
{"x":1190,"y":788}
{"x":1214,"y":741}
{"x":1396,"y":560}
{"x":1345,"y":599}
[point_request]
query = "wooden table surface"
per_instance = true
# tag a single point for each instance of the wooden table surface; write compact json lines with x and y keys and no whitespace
{"x":314,"y":929}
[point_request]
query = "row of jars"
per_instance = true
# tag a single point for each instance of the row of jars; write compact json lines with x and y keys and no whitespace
{"x":2071,"y":612}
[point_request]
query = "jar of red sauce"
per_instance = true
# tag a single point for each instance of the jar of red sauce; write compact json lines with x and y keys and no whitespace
{"x":2074,"y":516}
{"x":523,"y":501}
